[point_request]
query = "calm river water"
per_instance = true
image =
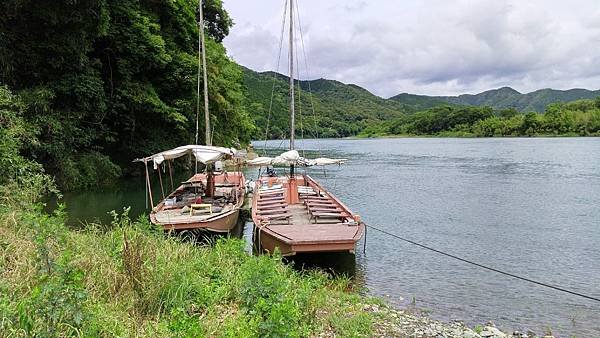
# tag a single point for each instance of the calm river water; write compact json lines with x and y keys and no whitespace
{"x":529,"y":206}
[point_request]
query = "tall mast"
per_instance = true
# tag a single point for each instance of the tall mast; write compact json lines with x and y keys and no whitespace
{"x":292,"y":118}
{"x":202,"y":47}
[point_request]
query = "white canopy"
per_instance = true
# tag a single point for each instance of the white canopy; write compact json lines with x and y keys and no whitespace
{"x":204,"y":154}
{"x":292,"y":157}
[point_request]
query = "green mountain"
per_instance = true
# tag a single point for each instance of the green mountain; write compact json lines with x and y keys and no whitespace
{"x":339,"y":109}
{"x":346,"y":109}
{"x":501,"y":98}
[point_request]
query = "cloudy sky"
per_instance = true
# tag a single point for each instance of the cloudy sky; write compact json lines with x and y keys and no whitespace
{"x":434,"y":47}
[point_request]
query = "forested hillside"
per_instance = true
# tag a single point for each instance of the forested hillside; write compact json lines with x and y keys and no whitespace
{"x":340,"y":109}
{"x":100,"y":82}
{"x":577,"y":118}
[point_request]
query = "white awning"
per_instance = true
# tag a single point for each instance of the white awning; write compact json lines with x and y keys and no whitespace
{"x":292,"y":157}
{"x":204,"y":154}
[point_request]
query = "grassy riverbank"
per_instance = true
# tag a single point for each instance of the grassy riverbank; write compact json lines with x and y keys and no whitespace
{"x":128,"y":279}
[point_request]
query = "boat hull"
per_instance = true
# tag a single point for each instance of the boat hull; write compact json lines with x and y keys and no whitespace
{"x":223,"y":224}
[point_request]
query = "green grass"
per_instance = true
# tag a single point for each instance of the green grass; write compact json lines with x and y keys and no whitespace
{"x":128,"y":279}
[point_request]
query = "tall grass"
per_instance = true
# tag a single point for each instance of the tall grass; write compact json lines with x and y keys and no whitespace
{"x":130,"y":279}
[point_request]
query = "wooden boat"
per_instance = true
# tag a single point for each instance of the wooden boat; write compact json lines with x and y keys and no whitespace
{"x":175,"y":212}
{"x":294,"y":213}
{"x":210,"y":200}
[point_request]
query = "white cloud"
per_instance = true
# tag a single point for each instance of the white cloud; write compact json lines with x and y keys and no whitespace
{"x":430,"y":46}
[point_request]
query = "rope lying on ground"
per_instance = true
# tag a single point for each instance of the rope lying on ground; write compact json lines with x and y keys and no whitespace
{"x":558,"y":288}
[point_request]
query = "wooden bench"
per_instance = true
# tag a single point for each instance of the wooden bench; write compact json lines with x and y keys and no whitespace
{"x":272,"y":198}
{"x":271,"y":192}
{"x":285,"y":216}
{"x":271,"y":207}
{"x":324,"y":214}
{"x":204,"y":207}
{"x":266,"y":204}
{"x":318,"y":203}
{"x":272,"y":212}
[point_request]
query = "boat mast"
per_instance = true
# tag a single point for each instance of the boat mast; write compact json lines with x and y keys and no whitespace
{"x":292,"y":117}
{"x":210,"y":184}
{"x":202,"y":46}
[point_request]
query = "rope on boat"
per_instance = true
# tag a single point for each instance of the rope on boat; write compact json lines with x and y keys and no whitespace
{"x":554,"y":287}
{"x":275,"y":77}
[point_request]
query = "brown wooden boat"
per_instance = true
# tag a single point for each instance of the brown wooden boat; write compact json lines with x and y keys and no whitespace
{"x":211,"y":200}
{"x":216,"y":213}
{"x":297,"y":215}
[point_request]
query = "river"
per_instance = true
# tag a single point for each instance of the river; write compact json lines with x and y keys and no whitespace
{"x":529,"y":206}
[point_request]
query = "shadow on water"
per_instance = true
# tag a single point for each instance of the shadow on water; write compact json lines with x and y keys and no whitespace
{"x":334,"y":263}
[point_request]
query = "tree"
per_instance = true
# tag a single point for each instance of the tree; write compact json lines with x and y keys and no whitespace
{"x":111,"y":80}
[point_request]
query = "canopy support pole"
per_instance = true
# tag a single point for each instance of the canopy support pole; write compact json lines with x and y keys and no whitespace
{"x":170,"y":174}
{"x":162,"y":190}
{"x":148,"y":184}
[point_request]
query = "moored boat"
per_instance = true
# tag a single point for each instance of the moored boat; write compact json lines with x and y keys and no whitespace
{"x":294,"y":213}
{"x":209,"y":201}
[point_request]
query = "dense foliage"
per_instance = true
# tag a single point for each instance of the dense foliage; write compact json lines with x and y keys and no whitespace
{"x":577,"y":118}
{"x":339,"y":110}
{"x":106,"y":81}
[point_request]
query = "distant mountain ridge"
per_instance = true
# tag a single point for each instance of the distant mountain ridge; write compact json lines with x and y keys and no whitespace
{"x":501,"y":98}
{"x":346,"y":109}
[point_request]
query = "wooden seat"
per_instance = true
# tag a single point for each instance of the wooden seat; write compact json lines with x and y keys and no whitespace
{"x":272,"y":207}
{"x":271,"y":198}
{"x":282,"y":202}
{"x":309,"y":203}
{"x":316,"y":198}
{"x":322,"y":214}
{"x":324,"y":207}
{"x":204,"y":207}
{"x":285,"y":216}
{"x":271,"y":192}
{"x":272,"y":212}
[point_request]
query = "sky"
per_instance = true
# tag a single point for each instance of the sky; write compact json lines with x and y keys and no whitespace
{"x":431,"y":47}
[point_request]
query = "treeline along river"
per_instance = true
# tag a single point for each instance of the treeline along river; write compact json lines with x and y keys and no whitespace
{"x":530,"y":206}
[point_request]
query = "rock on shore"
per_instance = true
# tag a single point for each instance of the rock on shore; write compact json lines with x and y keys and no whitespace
{"x":407,"y":323}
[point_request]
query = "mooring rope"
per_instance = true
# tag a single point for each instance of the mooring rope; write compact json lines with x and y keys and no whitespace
{"x":464,"y":260}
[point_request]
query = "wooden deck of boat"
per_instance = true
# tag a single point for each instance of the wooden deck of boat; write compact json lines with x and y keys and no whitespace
{"x":303,"y":233}
{"x":316,"y":233}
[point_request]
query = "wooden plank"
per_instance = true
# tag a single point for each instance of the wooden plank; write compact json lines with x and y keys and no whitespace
{"x":273,"y":198}
{"x":278,"y":201}
{"x":272,"y":212}
{"x":320,"y":204}
{"x":327,"y":209}
{"x":274,"y":192}
{"x":316,"y":233}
